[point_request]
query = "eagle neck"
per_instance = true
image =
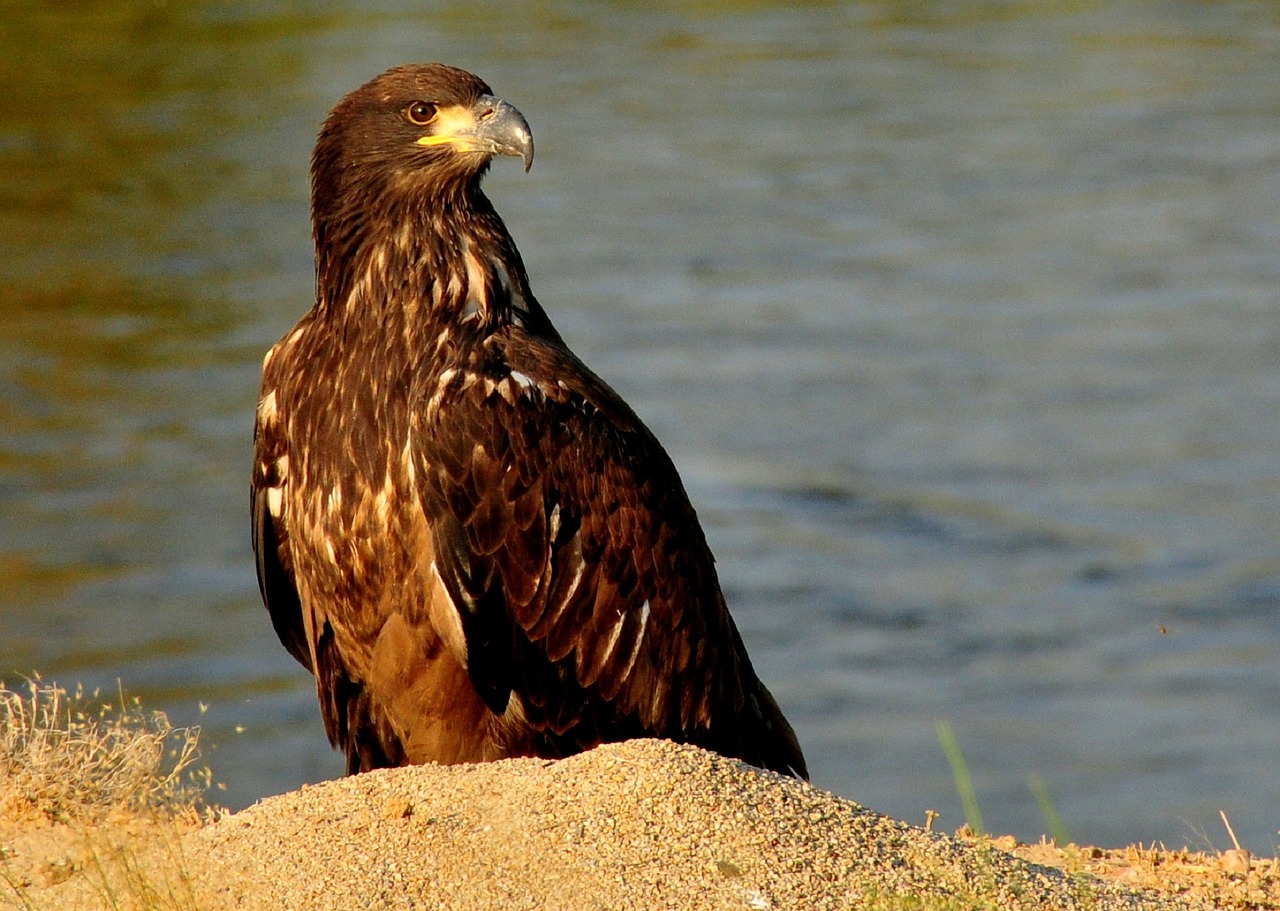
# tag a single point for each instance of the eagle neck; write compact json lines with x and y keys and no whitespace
{"x":427,"y":267}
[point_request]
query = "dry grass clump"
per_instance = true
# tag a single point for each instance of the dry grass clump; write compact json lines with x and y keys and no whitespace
{"x":94,"y":799}
{"x":68,"y":755}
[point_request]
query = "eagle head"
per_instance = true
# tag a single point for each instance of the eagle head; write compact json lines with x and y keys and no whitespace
{"x":418,"y":129}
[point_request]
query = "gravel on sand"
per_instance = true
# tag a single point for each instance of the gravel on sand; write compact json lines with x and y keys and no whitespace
{"x":643,"y":824}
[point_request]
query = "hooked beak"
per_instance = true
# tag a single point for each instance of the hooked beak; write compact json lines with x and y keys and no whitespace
{"x":490,"y":126}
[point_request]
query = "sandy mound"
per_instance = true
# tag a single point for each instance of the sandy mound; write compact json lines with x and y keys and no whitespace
{"x":644,"y":824}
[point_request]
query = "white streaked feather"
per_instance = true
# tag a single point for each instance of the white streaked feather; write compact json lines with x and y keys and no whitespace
{"x":267,"y":410}
{"x":406,"y":461}
{"x":433,"y":404}
{"x":635,"y":646}
{"x":523,"y":380}
{"x":572,"y":590}
{"x":613,"y":638}
{"x":445,"y":617}
{"x":477,"y":286}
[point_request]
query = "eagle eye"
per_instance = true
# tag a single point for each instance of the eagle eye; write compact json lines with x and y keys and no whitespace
{"x":420,"y":113}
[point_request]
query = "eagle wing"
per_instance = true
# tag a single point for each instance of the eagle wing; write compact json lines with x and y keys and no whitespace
{"x":271,"y":532}
{"x":571,"y":554}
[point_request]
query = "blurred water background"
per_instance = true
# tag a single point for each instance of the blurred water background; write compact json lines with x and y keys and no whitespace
{"x":962,"y":322}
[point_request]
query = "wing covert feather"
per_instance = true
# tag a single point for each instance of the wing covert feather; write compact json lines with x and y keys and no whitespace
{"x":560,"y":523}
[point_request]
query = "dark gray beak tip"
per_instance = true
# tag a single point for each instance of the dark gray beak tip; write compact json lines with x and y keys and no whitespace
{"x":506,"y":130}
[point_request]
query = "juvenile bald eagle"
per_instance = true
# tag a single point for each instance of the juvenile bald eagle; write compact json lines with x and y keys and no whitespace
{"x":468,"y":538}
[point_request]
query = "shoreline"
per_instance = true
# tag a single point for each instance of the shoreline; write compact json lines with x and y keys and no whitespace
{"x":645,"y":823}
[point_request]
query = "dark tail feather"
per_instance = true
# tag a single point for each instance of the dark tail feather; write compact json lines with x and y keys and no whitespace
{"x":777,"y":746}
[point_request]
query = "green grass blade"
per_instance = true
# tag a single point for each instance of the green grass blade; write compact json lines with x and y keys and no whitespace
{"x":964,"y":781}
{"x":1052,"y":819}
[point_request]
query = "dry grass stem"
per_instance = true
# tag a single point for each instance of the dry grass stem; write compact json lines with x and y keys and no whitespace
{"x":72,"y":755}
